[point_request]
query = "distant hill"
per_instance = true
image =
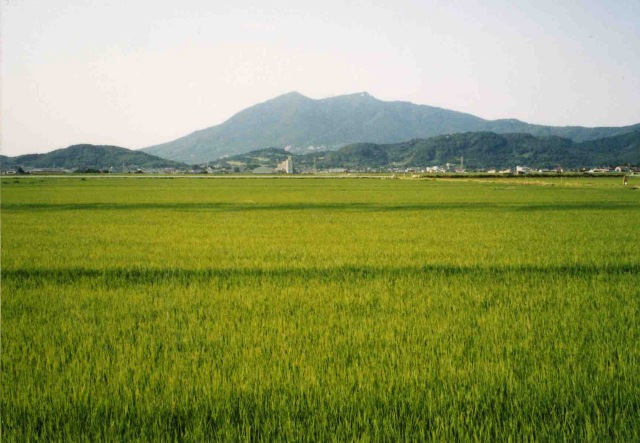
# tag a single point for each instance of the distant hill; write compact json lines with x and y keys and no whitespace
{"x":480,"y":150}
{"x":300,"y":122}
{"x":618,"y":150}
{"x":89,"y":157}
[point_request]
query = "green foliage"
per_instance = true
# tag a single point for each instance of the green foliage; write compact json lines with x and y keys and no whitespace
{"x":90,"y":157}
{"x":90,"y":171}
{"x":625,"y":149}
{"x":479,"y":149}
{"x":296,"y":120}
{"x":191,"y":309}
{"x":7,"y":163}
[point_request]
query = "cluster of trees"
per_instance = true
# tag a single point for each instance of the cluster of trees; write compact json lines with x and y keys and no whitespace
{"x":479,"y":149}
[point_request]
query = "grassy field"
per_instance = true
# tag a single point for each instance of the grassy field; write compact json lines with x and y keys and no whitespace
{"x":320,"y":310}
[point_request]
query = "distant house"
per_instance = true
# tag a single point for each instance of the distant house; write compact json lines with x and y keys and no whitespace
{"x":263,"y":170}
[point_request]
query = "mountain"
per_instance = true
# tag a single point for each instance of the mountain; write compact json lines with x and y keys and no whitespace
{"x":300,"y":122}
{"x":481,"y":150}
{"x":618,"y":150}
{"x":89,"y":157}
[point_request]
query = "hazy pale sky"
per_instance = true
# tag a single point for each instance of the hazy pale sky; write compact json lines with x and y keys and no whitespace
{"x":134,"y":73}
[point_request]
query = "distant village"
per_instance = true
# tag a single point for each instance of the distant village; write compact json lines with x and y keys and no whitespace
{"x":287,"y":167}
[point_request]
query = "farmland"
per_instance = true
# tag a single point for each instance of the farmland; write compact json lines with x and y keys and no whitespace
{"x":320,"y":309}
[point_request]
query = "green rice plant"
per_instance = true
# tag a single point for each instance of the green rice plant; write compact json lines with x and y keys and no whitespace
{"x":316,"y":309}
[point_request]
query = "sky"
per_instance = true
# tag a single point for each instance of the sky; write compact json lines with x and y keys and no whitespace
{"x":135,"y":73}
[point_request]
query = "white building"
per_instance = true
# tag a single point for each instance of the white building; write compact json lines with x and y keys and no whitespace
{"x":286,"y":166}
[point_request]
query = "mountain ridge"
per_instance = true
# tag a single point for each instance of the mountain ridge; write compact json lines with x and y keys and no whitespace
{"x":295,"y":120}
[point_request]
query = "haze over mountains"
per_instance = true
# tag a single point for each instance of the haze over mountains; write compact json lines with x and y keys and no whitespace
{"x":481,"y":151}
{"x":356,"y":131}
{"x":298,"y":122}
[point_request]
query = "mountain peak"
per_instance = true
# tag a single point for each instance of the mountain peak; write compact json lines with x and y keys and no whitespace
{"x":364,"y":95}
{"x":292,"y":95}
{"x":358,"y":95}
{"x":306,"y":123}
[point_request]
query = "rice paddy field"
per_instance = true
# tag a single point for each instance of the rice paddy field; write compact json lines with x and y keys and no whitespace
{"x":257,"y":309}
